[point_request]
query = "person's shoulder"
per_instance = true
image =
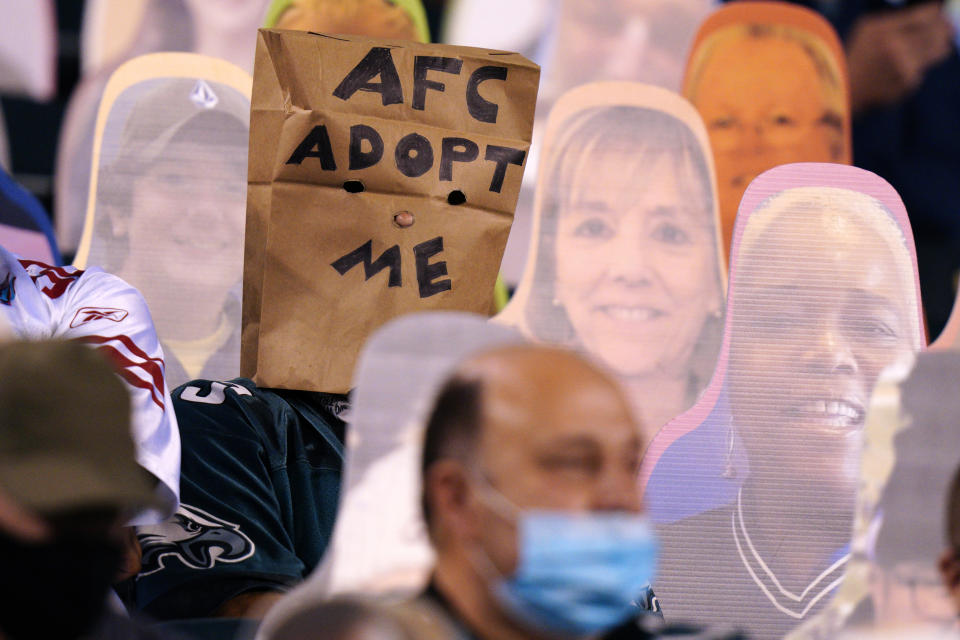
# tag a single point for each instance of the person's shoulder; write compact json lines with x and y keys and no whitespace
{"x":236,"y":407}
{"x":239,"y":406}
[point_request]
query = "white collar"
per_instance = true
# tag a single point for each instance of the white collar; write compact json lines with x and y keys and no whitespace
{"x":794,"y":605}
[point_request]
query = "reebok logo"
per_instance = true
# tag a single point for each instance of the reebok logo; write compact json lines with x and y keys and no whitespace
{"x":89,"y":314}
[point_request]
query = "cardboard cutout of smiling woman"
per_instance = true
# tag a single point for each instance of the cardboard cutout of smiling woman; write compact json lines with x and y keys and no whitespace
{"x":384,"y":182}
{"x":911,"y":455}
{"x":167,"y":211}
{"x":770,"y":80}
{"x":625,"y":261}
{"x":754,"y":487}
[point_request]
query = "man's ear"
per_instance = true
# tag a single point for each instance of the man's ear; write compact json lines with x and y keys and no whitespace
{"x":451,"y":501}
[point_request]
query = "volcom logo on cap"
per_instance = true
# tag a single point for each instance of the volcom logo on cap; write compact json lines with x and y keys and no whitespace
{"x":195,"y":538}
{"x":89,"y":314}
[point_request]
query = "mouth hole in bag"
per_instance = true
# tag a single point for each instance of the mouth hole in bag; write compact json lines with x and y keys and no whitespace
{"x":404,"y":219}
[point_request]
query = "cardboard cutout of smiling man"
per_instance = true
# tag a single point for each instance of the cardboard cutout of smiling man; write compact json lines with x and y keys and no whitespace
{"x":625,"y":259}
{"x":770,"y":80}
{"x":167,"y":212}
{"x":755,"y":486}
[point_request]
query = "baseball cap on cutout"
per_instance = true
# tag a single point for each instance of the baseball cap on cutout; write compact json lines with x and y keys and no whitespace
{"x":159,"y":114}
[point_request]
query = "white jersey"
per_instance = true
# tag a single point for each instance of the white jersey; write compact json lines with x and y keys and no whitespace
{"x":40,"y":301}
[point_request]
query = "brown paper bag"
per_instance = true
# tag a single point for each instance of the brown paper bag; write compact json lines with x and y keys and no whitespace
{"x":383,"y":178}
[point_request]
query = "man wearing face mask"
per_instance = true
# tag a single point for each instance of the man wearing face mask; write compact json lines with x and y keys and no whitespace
{"x":65,"y":493}
{"x":530,"y":467}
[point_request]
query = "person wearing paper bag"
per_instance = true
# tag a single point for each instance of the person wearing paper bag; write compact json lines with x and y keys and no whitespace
{"x":342,"y":235}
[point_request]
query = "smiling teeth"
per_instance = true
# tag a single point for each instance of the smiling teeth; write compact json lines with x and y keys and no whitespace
{"x":832,"y":408}
{"x":632,"y":314}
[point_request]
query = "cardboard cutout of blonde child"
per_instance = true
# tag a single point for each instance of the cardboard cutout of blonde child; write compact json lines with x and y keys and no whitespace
{"x":384,"y":183}
{"x":166,"y":211}
{"x":625,"y":259}
{"x":754,"y":488}
{"x":906,"y":513}
{"x":770,"y":80}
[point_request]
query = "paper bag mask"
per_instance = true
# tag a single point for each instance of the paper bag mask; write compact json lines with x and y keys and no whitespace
{"x":770,"y":81}
{"x":383,"y":178}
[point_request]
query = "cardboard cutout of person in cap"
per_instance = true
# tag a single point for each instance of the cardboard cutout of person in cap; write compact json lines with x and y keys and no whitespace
{"x":167,"y":212}
{"x":262,"y":465}
{"x":219,"y":29}
{"x":904,"y":509}
{"x":755,"y":486}
{"x":770,"y":81}
{"x":625,"y":260}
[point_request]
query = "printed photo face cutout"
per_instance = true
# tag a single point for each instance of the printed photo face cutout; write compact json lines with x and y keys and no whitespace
{"x":380,"y":541}
{"x":168,"y":209}
{"x":160,"y":25}
{"x":769,"y":80}
{"x":906,"y":507}
{"x":395,"y":19}
{"x":625,"y":262}
{"x":109,"y":29}
{"x":386,"y":188}
{"x":622,"y":40}
{"x":755,"y":486}
{"x":28,"y":49}
{"x":226,"y":28}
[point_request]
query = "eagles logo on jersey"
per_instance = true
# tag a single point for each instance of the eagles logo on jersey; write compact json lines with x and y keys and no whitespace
{"x":195,"y":538}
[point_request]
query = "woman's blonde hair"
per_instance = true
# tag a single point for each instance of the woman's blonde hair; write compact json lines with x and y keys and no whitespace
{"x":824,"y":61}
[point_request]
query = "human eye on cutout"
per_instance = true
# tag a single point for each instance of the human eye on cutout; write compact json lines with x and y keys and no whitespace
{"x":782,"y":119}
{"x":671,"y":233}
{"x":593,"y":228}
{"x":775,"y":311}
{"x":724,"y":122}
{"x":876,"y":326}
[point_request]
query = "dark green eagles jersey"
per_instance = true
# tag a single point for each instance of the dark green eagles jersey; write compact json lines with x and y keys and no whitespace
{"x":260,"y":480}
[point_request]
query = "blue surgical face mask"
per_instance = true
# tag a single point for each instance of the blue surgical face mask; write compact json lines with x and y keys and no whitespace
{"x":578,"y":573}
